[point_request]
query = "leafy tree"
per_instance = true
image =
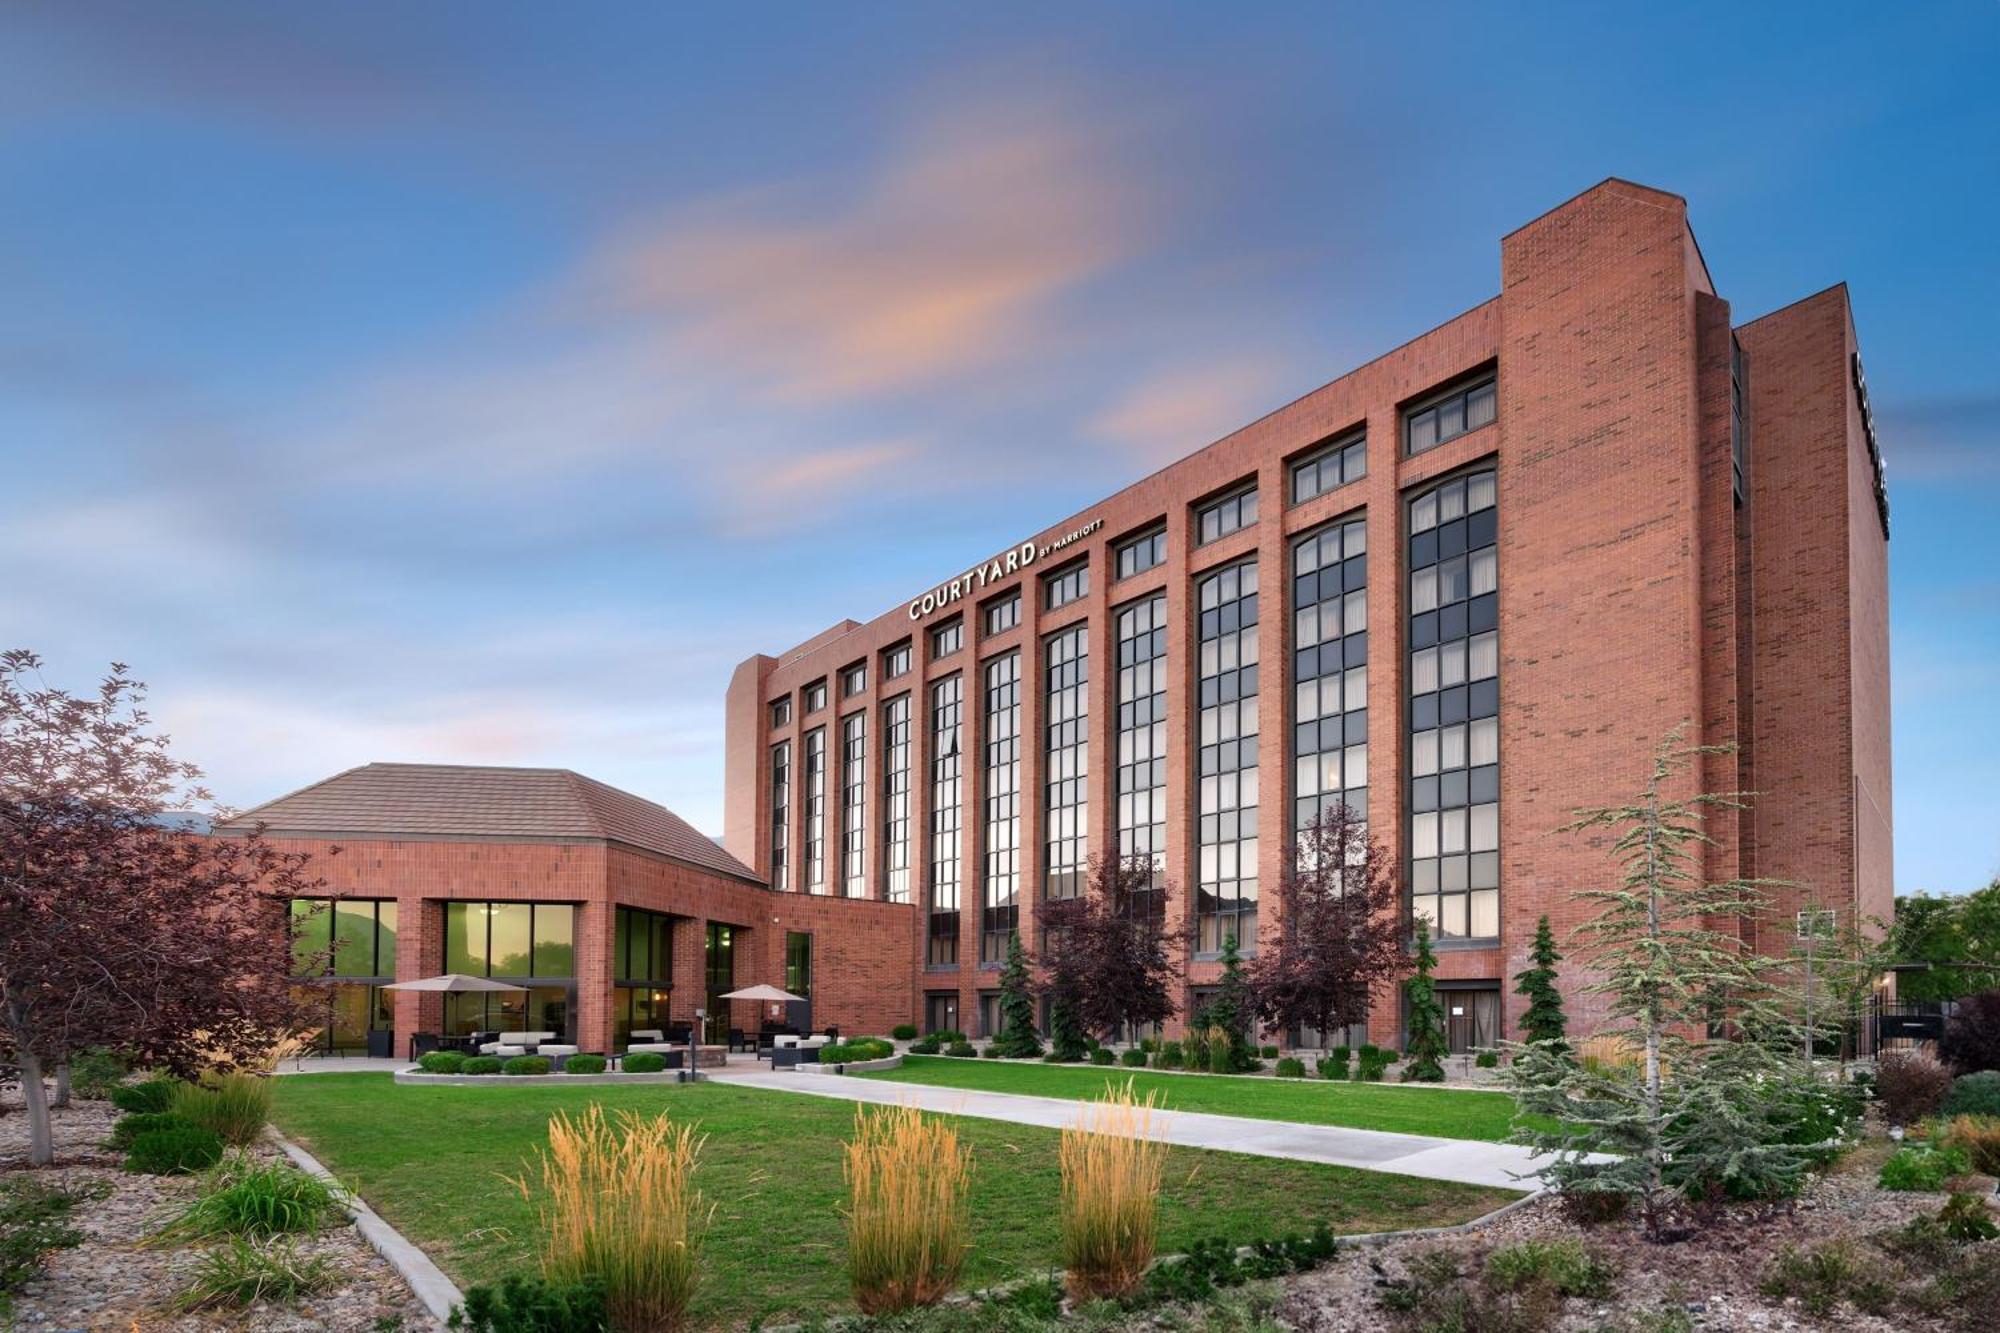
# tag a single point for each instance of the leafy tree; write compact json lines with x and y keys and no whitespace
{"x":1337,"y":935}
{"x":1971,"y":1040}
{"x":1107,"y":954}
{"x":1956,"y":935}
{"x":1836,"y":978}
{"x":1017,"y":1037}
{"x":115,"y":930}
{"x":1426,"y":1048}
{"x":1544,"y":1021}
{"x":1734,"y":1115}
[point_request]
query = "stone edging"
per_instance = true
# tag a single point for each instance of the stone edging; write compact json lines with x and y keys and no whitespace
{"x":415,"y":1076}
{"x":425,"y":1279}
{"x":855,"y":1066}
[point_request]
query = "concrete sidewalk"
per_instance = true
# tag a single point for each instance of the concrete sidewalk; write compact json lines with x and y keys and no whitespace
{"x":1501,"y":1165}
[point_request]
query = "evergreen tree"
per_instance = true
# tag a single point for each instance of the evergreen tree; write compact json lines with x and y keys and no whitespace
{"x":1545,"y":1021}
{"x":1017,"y":1039}
{"x":1426,"y":1048}
{"x":1693,"y":1118}
{"x":1232,"y":1008}
{"x":1067,"y":1041}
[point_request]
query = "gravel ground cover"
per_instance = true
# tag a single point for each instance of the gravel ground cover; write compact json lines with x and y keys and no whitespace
{"x":112,"y":1281}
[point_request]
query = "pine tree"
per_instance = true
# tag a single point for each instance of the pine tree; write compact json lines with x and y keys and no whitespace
{"x":1545,"y":1021}
{"x":1232,"y":1008}
{"x":1729,"y":1113}
{"x":1426,"y":1048}
{"x":1017,"y":1039}
{"x":1067,"y":1040}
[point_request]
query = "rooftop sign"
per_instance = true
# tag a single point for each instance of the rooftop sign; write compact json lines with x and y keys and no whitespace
{"x":1011,"y":561}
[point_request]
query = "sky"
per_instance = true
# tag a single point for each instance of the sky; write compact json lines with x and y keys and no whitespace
{"x":481,"y":383}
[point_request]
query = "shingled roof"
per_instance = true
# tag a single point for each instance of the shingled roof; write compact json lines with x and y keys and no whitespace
{"x":463,"y":800}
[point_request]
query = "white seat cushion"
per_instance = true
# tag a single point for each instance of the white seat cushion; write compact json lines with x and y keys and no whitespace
{"x":658,"y":1046}
{"x":502,"y":1049}
{"x":817,"y":1039}
{"x":649,"y":1034}
{"x":785,"y":1042}
{"x":524,"y":1038}
{"x":547,"y":1048}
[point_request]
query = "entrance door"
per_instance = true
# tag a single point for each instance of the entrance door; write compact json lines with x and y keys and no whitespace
{"x":1471,"y":1019}
{"x":941,"y":1012}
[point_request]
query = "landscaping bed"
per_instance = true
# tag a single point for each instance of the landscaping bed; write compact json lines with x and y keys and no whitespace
{"x":112,"y":1280}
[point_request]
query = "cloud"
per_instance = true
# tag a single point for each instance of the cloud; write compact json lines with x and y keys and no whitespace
{"x":1169,"y":415}
{"x":1940,"y":440}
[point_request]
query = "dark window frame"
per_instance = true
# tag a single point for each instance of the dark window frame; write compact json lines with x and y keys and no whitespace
{"x":1446,"y":414}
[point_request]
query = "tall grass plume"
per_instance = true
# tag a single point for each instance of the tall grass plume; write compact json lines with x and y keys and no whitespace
{"x":1111,"y":1166}
{"x":908,"y":1225}
{"x":619,"y":1203}
{"x":236,"y":1106}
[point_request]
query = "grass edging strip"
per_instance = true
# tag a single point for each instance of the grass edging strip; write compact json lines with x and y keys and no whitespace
{"x":439,"y":1293}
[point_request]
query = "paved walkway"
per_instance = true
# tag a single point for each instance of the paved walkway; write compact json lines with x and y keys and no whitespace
{"x":1503,"y":1165}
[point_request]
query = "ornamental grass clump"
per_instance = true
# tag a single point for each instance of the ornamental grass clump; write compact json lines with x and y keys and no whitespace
{"x":908,"y":1225}
{"x":242,"y":1196}
{"x":1111,"y":1165}
{"x":235,"y":1106}
{"x":619,"y":1204}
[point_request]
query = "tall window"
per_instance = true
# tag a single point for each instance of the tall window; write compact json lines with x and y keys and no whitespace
{"x":347,"y":988}
{"x":896,"y":661}
{"x":1454,"y":709}
{"x":781,"y":711}
{"x":1142,"y":553}
{"x":1330,"y":467}
{"x":1226,"y":875}
{"x":799,"y":963}
{"x":642,"y":970}
{"x":1142,"y":733}
{"x":947,"y":778}
{"x":1330,"y":671}
{"x":1003,"y":613}
{"x":896,"y":799}
{"x":854,"y":806}
{"x":1066,"y":763}
{"x":1000,"y":885}
{"x":815,"y":811}
{"x":853,"y":680}
{"x":815,"y":696}
{"x":781,"y":816}
{"x":1219,"y":518}
{"x":1451,"y":414}
{"x":1066,"y":586}
{"x":719,"y":971}
{"x":947,"y":639}
{"x":1739,"y":408}
{"x":531,"y":943}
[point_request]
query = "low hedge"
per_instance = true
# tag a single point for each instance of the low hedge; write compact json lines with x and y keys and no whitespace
{"x":1101,"y":1056}
{"x":442,"y":1062}
{"x":1133,"y":1059}
{"x":962,"y":1049}
{"x":526,"y":1064}
{"x":130,"y":1127}
{"x":584,"y":1064}
{"x":1973,"y":1094}
{"x":927,"y":1046}
{"x":645,"y":1062}
{"x":150,"y":1097}
{"x":481,"y":1064}
{"x":173,"y":1150}
{"x":860,"y":1048}
{"x":904,"y":1032}
{"x":1289,"y":1067}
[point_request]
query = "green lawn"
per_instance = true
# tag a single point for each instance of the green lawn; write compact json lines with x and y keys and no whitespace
{"x":1403,"y":1108}
{"x":432,"y":1161}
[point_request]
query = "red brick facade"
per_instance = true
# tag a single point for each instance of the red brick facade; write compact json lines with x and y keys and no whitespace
{"x":1637,"y":591}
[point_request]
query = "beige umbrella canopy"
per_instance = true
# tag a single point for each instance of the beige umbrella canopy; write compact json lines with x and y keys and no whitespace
{"x":453,"y":983}
{"x":764,"y":994}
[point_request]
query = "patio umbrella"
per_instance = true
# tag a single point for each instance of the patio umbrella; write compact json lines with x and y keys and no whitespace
{"x":457,"y":983}
{"x":763,"y":994}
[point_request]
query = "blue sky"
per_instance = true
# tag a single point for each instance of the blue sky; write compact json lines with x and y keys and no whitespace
{"x":482,"y":383}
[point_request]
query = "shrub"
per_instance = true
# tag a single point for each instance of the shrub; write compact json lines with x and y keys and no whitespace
{"x":904,"y":1032}
{"x":1268,"y":1052}
{"x":173,"y":1150}
{"x":1195,"y":1048}
{"x":1222,"y":1058}
{"x":1564,"y":1266}
{"x":526,"y":1064}
{"x":622,"y":1206}
{"x":1487,"y":1060}
{"x":1330,"y":1068}
{"x":95,"y":1073}
{"x":441,"y":1062}
{"x":130,"y":1127}
{"x":1111,"y":1169}
{"x":946,"y":1036}
{"x":490,"y":1064}
{"x":962,"y":1049}
{"x":1102,"y":1056}
{"x":34,"y":1220}
{"x":1818,"y":1278}
{"x":1291,"y":1068}
{"x":1974,"y":1094}
{"x":1133,"y":1059}
{"x":1971,"y":1039}
{"x":1978,"y":1136}
{"x":1149,"y":1044}
{"x":1917,"y":1166}
{"x":926,"y":1046}
{"x":534,"y":1305}
{"x":242,"y":1274}
{"x":1171,"y":1056}
{"x":908,"y":1223}
{"x":1372,"y":1061}
{"x":235,"y":1106}
{"x":1965,"y":1217}
{"x":860,"y":1048}
{"x":241,"y":1196}
{"x":152,"y":1096}
{"x":645,"y":1062}
{"x":582,"y":1063}
{"x":990,"y":1053}
{"x":1911,"y":1085}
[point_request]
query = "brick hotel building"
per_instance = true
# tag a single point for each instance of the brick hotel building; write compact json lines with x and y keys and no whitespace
{"x":1465,"y":588}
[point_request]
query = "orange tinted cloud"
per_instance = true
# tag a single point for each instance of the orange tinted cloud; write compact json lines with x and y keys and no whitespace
{"x":1175,"y":413}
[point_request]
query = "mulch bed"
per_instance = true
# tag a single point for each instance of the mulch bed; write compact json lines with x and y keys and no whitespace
{"x":111,"y":1281}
